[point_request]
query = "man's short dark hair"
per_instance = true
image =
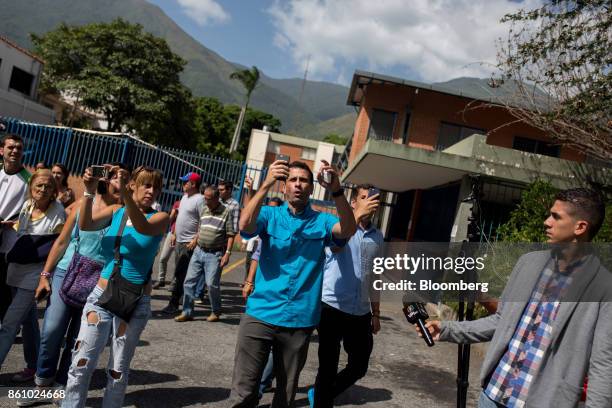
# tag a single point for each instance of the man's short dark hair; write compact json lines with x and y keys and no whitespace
{"x":12,"y":136}
{"x":227,"y":184}
{"x":303,"y":166}
{"x":358,"y":187}
{"x":213,"y":189}
{"x":588,"y":206}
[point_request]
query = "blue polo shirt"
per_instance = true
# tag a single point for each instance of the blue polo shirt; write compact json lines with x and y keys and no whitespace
{"x":346,"y":283}
{"x":290,"y":270}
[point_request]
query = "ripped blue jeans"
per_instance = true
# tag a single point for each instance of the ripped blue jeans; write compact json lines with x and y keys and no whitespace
{"x":97,"y":324}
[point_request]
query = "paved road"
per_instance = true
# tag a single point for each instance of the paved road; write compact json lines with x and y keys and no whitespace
{"x":190,"y":364}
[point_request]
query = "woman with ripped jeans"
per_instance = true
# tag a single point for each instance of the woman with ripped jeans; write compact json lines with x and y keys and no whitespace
{"x":139,"y":242}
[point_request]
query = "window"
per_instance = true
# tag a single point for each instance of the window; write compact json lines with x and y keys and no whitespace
{"x":308,"y":153}
{"x":526,"y":144}
{"x":451,"y":134}
{"x":273,"y":147}
{"x":382,"y":125}
{"x":21,"y":81}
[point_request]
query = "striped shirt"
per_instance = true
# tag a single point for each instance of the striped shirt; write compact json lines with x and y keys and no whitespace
{"x":515,"y":372}
{"x":216,"y":226}
{"x":234,"y":207}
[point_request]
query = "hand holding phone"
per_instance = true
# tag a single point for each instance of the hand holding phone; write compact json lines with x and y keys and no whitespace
{"x":373,"y":191}
{"x":42,"y":295}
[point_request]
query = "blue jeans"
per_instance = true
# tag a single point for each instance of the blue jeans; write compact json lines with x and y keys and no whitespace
{"x":21,"y":312}
{"x":268,"y":375}
{"x":91,"y":342}
{"x":60,"y":320}
{"x":207,"y":263}
{"x":199,"y":291}
{"x":485,"y":402}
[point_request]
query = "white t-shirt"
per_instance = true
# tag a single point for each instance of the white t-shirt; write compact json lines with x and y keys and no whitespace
{"x":188,"y":218}
{"x":13,"y":190}
{"x":27,"y":276}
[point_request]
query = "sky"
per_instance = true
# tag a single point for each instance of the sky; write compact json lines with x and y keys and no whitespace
{"x":422,"y":40}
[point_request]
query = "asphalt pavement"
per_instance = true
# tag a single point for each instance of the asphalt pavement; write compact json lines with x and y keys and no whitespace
{"x":190,"y":364}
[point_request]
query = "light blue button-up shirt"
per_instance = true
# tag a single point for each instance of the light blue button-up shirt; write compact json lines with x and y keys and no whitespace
{"x":346,"y":277}
{"x":290,"y":270}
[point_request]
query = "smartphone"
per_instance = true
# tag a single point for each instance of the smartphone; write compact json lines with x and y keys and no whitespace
{"x":44,"y":294}
{"x":285,"y":158}
{"x":99,"y":171}
{"x":373,"y":191}
{"x":282,"y":157}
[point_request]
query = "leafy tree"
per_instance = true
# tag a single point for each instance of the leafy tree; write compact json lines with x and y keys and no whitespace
{"x":335,"y":139}
{"x":249,"y":79}
{"x":214,"y":123}
{"x":563,"y":49}
{"x":526,"y":223}
{"x":253,"y":119}
{"x":116,"y":68}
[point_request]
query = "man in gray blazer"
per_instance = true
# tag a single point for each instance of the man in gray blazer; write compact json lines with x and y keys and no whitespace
{"x":541,"y":349}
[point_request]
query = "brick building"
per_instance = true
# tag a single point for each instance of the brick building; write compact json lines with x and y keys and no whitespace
{"x":421,"y":143}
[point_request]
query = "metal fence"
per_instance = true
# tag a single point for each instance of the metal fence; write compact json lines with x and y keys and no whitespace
{"x":79,"y":148}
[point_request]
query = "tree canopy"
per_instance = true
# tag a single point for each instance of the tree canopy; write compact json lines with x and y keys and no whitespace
{"x":116,"y":68}
{"x":558,"y":55}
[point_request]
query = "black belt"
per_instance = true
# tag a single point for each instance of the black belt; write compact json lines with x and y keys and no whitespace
{"x":211,"y":250}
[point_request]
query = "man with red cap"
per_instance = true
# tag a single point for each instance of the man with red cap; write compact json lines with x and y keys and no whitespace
{"x":184,"y":237}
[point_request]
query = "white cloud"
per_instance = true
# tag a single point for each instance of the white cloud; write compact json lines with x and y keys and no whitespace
{"x":204,"y":12}
{"x":436,"y":39}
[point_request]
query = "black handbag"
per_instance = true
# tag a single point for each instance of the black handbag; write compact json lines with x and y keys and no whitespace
{"x":121,"y":296}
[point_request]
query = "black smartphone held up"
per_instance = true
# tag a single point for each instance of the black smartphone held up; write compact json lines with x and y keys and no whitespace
{"x":284,"y":158}
{"x":99,"y":171}
{"x":373,"y":191}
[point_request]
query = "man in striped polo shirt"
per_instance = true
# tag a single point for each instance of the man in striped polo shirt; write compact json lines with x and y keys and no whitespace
{"x":215,"y":240}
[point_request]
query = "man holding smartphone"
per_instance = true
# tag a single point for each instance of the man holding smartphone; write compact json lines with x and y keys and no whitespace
{"x":349,"y":315}
{"x":284,"y":307}
{"x":13,"y":189}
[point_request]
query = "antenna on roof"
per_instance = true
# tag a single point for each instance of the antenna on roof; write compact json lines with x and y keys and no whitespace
{"x":301,"y":95}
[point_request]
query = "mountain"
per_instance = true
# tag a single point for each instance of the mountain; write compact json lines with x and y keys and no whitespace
{"x":342,"y":125}
{"x":206,"y":72}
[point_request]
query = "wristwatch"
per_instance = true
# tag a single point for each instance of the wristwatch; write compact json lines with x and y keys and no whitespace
{"x":338,"y":193}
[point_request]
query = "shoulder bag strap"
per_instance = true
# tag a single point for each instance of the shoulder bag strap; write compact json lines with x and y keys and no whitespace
{"x":118,"y":257}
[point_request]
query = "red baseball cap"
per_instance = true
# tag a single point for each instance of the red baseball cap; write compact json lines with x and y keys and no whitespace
{"x":195,"y":177}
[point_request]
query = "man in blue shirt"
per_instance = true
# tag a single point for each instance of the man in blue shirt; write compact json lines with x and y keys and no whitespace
{"x":284,"y":307}
{"x":348,"y":314}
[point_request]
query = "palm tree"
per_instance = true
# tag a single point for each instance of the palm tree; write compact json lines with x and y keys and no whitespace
{"x":249,"y":79}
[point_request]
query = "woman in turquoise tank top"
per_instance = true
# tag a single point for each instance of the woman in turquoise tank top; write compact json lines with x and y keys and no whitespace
{"x":63,"y":320}
{"x":139,"y":242}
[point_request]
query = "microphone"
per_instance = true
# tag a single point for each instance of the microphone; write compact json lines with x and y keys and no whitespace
{"x":416,"y":314}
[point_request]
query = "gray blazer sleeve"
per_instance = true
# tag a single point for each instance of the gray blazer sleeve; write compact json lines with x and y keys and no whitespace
{"x":481,"y":330}
{"x":599,"y":393}
{"x":475,"y":331}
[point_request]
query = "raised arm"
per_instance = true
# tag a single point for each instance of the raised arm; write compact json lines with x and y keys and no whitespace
{"x":248,"y":218}
{"x":347,"y":226}
{"x":89,"y":221}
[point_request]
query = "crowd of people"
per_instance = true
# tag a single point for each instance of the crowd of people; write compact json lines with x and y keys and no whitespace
{"x":92,"y":257}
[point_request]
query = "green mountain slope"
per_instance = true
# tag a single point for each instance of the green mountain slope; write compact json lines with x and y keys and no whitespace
{"x":206,"y":73}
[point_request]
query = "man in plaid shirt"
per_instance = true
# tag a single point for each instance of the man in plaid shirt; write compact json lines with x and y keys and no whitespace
{"x":542,"y":348}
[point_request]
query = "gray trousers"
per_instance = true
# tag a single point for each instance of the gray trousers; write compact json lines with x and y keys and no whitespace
{"x":255,"y":339}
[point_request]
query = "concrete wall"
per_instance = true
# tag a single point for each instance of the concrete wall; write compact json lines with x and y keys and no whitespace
{"x":428,"y":109}
{"x":14,"y":105}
